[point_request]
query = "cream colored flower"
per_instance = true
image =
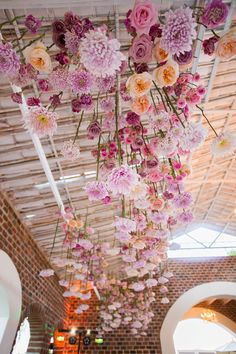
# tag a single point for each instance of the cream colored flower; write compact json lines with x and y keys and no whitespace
{"x":166,"y":75}
{"x":159,"y":54}
{"x":226,"y":47}
{"x":139,"y":84}
{"x":139,"y":191}
{"x":37,"y":56}
{"x":141,"y":105}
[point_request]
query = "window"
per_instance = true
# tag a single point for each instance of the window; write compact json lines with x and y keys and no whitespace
{"x":203,"y":242}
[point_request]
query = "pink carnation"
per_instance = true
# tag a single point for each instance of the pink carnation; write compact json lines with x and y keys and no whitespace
{"x":96,"y":190}
{"x":122,"y":180}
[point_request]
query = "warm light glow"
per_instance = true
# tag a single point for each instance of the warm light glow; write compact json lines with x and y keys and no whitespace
{"x":88,"y":332}
{"x":73,"y":331}
{"x":209,"y":316}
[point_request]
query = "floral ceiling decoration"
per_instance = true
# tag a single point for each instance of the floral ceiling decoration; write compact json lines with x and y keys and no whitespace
{"x":144,"y":140}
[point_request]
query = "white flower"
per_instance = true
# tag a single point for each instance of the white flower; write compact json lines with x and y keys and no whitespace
{"x":224,"y":144}
{"x":46,"y":273}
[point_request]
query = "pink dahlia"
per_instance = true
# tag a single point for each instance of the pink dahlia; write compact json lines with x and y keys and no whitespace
{"x":81,"y":81}
{"x":96,"y":190}
{"x":70,"y":150}
{"x":125,"y":225}
{"x":41,"y":122}
{"x":9,"y":60}
{"x":59,"y":78}
{"x":182,"y":200}
{"x":99,"y":54}
{"x":122,"y":180}
{"x":179,"y":31}
{"x":214,"y":14}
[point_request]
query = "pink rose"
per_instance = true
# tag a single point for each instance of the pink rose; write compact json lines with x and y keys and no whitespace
{"x":143,"y":16}
{"x":141,"y":50}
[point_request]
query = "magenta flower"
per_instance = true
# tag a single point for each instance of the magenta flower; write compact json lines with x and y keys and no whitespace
{"x":215,"y":13}
{"x":184,"y":58}
{"x":132,"y":118}
{"x":32,"y":23}
{"x":122,"y":180}
{"x":86,"y":101}
{"x":96,"y":190}
{"x":43,"y":85}
{"x":81,"y":81}
{"x":62,"y":58}
{"x":9,"y":60}
{"x":16,"y":97}
{"x":41,"y":121}
{"x":179,"y":31}
{"x":33,"y":101}
{"x":100,"y":55}
{"x":209,"y":45}
{"x":86,"y":244}
{"x":94,"y":130}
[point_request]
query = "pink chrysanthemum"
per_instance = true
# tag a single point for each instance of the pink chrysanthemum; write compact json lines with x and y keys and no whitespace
{"x":9,"y":60}
{"x":72,"y":42}
{"x":99,"y":54}
{"x":107,"y":104}
{"x":105,"y":84}
{"x":121,"y":180}
{"x":224,"y":144}
{"x":125,"y":225}
{"x":182,"y":200}
{"x":179,"y":31}
{"x":193,"y":136}
{"x":41,"y":121}
{"x":70,"y":150}
{"x":59,"y":78}
{"x":96,"y":190}
{"x":81,"y":81}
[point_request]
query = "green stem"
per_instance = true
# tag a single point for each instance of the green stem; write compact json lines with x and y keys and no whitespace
{"x":54,"y":239}
{"x":77,"y":130}
{"x":207,"y":119}
{"x":162,"y":98}
{"x":11,"y":21}
{"x":31,"y":42}
{"x":173,"y":107}
{"x":98,"y":156}
{"x":117,"y":129}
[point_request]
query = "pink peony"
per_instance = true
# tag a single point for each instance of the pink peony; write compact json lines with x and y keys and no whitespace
{"x":143,"y":16}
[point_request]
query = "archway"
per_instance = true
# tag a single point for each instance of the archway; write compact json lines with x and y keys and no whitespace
{"x":10,"y":302}
{"x":184,"y":303}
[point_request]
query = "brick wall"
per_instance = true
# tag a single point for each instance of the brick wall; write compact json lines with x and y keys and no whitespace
{"x":187,"y":275}
{"x":15,"y":240}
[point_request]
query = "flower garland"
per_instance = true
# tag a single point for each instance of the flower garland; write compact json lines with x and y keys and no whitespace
{"x":142,"y":152}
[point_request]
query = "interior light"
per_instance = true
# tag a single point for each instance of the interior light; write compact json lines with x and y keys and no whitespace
{"x":99,"y":340}
{"x":30,"y":216}
{"x":88,"y":332}
{"x":73,"y":331}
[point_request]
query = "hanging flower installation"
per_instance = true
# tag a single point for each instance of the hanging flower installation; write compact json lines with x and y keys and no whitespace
{"x":144,"y":133}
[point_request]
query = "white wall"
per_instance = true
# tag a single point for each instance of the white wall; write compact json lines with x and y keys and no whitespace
{"x":10,"y":302}
{"x":185,"y":302}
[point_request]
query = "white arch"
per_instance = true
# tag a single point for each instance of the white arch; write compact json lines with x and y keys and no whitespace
{"x":10,"y":302}
{"x":185,"y":302}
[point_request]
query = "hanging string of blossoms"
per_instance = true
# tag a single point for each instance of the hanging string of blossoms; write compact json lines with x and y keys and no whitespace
{"x":143,"y":145}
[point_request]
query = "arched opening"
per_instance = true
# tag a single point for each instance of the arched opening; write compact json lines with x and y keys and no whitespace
{"x":210,"y":336}
{"x":185,"y":302}
{"x":10,"y":302}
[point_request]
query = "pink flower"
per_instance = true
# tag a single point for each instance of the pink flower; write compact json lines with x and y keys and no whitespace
{"x":151,"y":282}
{"x":182,"y":200}
{"x":41,"y":121}
{"x":123,"y":237}
{"x":70,"y":150}
{"x":125,"y":225}
{"x":84,"y":296}
{"x":163,"y":289}
{"x":165,"y":300}
{"x":46,"y":273}
{"x":137,"y":286}
{"x":214,"y":14}
{"x":86,"y":244}
{"x":141,"y":49}
{"x":122,"y":180}
{"x":143,"y":16}
{"x":96,"y":190}
{"x":81,"y":81}
{"x":185,"y":217}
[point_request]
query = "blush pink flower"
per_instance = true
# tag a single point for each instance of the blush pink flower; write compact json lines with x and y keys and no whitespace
{"x":46,"y":273}
{"x":86,"y":244}
{"x":141,"y":49}
{"x":125,"y":225}
{"x":182,"y":200}
{"x":143,"y":16}
{"x":41,"y":122}
{"x":137,"y":286}
{"x":122,"y":180}
{"x":96,"y":190}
